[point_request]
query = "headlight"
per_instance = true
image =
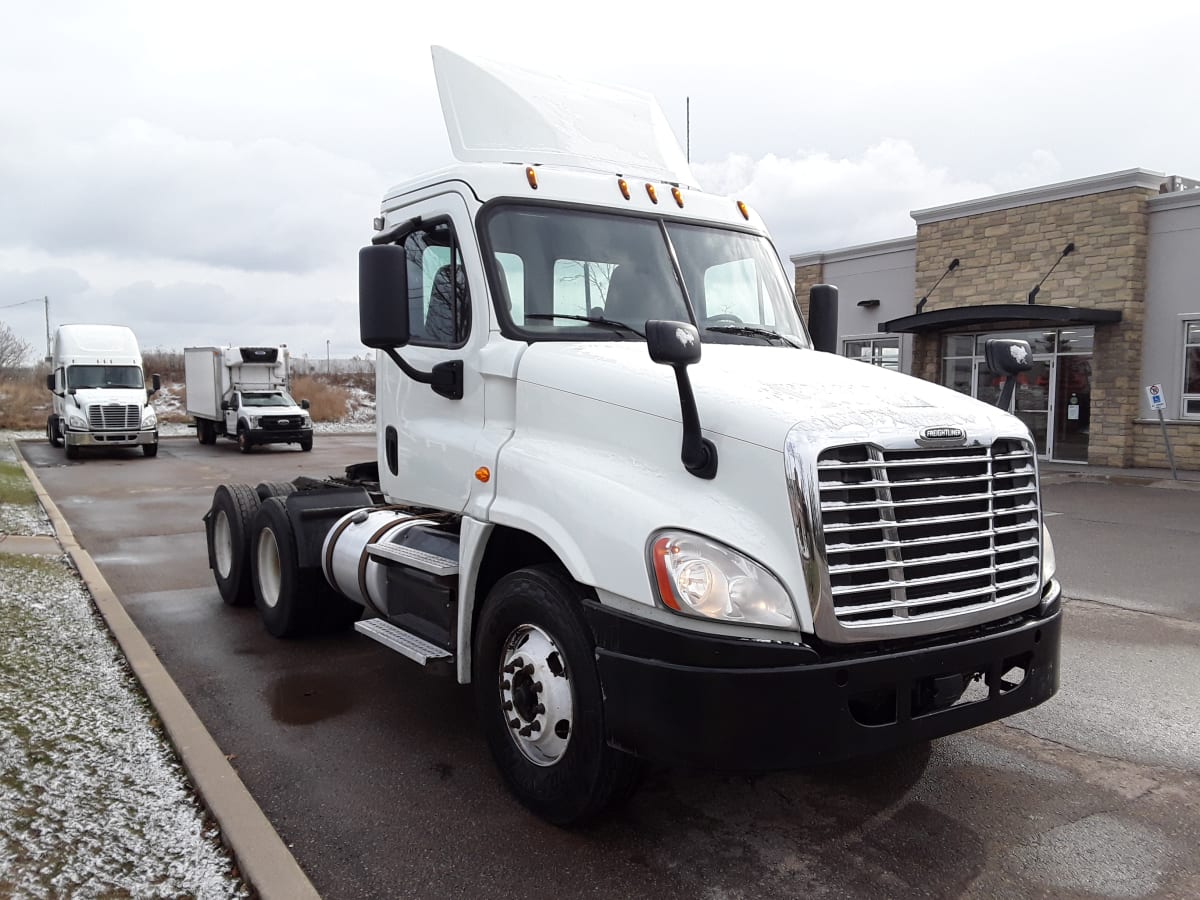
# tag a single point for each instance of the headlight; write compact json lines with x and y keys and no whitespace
{"x":253,"y":421}
{"x":1049,"y":563}
{"x":76,"y":420}
{"x":306,"y":422}
{"x":698,"y":577}
{"x":149,"y":419}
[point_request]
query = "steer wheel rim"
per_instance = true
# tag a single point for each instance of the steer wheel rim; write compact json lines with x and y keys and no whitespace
{"x":269,"y":578}
{"x":536,"y":696}
{"x":223,"y":544}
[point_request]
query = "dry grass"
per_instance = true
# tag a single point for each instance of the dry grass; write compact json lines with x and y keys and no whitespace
{"x":24,"y":403}
{"x":327,"y":400}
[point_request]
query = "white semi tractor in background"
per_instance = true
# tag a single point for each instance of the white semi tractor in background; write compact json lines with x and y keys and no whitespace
{"x":242,"y":393}
{"x":100,"y":398}
{"x":621,"y":493}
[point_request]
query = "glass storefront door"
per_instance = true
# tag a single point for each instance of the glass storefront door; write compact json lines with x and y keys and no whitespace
{"x":1053,"y":398}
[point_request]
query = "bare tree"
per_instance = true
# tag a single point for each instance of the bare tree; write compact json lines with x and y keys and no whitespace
{"x":13,"y":353}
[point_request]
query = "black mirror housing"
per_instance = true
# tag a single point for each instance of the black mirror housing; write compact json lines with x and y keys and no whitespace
{"x":50,"y":382}
{"x":383,"y":296}
{"x":673,"y":343}
{"x":1008,"y":357}
{"x":823,"y":317}
{"x":225,"y":406}
{"x":156,"y":382}
{"x":304,"y":404}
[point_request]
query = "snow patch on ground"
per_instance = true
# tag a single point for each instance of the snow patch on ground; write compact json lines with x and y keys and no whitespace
{"x":92,"y":801}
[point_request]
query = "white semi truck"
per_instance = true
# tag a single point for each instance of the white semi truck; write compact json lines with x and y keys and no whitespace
{"x":242,"y":393}
{"x":623,"y":496}
{"x":100,"y":398}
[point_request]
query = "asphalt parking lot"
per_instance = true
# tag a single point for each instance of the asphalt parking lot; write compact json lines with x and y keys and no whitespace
{"x":374,"y":772}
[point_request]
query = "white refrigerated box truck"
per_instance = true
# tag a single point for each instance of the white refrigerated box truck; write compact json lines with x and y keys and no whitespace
{"x":242,"y":393}
{"x":621,"y":493}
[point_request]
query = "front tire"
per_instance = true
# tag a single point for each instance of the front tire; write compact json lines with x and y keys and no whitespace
{"x":72,"y":451}
{"x":538,"y":695}
{"x":228,"y":525}
{"x":54,"y":432}
{"x":150,"y":450}
{"x":243,"y":440}
{"x":306,"y":444}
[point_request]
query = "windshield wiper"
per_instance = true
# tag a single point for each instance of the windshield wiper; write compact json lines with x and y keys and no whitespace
{"x":594,"y":320}
{"x":752,"y":331}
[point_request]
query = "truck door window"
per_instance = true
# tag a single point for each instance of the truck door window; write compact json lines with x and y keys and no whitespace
{"x":439,"y":303}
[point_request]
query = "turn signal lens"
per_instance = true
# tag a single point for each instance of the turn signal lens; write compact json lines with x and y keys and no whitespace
{"x":531,"y":177}
{"x":678,"y":195}
{"x":624,"y":186}
{"x":483,"y":474}
{"x":652,"y":193}
{"x":744,"y":210}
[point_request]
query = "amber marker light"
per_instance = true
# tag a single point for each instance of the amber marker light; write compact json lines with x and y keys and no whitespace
{"x":531,"y":177}
{"x":744,"y":210}
{"x":624,"y":186}
{"x":661,"y":548}
{"x":483,"y":474}
{"x":678,"y":195}
{"x":652,"y":193}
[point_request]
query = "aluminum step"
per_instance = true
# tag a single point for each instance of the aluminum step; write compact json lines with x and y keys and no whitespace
{"x":416,"y":559}
{"x":403,"y":642}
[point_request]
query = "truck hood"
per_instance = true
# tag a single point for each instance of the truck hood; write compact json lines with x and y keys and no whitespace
{"x":272,"y":411}
{"x":86,"y":397}
{"x":757,"y":394}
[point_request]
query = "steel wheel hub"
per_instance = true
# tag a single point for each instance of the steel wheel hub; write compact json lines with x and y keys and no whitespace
{"x":269,"y":578}
{"x":535,"y":695}
{"x":223,"y":544}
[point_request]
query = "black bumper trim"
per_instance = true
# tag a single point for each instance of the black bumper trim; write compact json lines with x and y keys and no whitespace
{"x":784,"y":716}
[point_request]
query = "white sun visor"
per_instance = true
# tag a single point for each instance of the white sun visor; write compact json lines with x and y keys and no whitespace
{"x":499,"y":113}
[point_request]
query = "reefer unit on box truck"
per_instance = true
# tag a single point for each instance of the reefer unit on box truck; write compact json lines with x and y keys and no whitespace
{"x":242,"y":393}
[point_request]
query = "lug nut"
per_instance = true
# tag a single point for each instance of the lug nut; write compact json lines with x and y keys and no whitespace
{"x":528,"y":670}
{"x":507,"y":705}
{"x":541,"y":708}
{"x":513,"y":723}
{"x":537,"y":687}
{"x":535,"y":726}
{"x":506,"y":685}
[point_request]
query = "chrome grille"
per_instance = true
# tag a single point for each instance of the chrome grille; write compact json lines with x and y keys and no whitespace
{"x":913,"y":534}
{"x":114,"y":416}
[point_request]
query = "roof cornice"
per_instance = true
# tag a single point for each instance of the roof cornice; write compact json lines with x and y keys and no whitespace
{"x":1080,"y":187}
{"x":895,"y":245}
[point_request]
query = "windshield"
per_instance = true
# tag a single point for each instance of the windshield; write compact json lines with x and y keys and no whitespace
{"x":268,"y":398}
{"x":105,"y":377}
{"x":581,"y":275}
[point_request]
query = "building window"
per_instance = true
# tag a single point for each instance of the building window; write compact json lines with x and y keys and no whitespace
{"x":883,"y":351}
{"x":1191,"y":369}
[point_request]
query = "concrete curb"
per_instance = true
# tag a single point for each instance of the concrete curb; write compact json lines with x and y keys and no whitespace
{"x":263,"y":859}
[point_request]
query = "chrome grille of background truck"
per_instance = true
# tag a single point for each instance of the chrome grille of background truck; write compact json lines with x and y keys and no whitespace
{"x":917,"y":541}
{"x":115,"y":416}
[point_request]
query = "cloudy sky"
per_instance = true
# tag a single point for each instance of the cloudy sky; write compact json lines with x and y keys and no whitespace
{"x":205,"y":173}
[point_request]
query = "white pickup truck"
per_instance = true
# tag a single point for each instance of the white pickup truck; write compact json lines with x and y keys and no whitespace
{"x":623,"y":496}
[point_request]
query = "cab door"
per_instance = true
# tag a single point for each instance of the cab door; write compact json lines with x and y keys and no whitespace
{"x":427,"y":442}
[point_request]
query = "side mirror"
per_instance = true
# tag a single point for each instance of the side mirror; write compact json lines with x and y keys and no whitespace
{"x":677,"y":344}
{"x":823,"y":317}
{"x":50,"y":382}
{"x":156,"y":381}
{"x":1010,"y":358}
{"x":673,"y":343}
{"x":304,"y":404}
{"x":383,"y":296}
{"x":225,"y":407}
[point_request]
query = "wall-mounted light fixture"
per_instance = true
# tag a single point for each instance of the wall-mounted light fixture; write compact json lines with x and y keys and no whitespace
{"x":869,"y":304}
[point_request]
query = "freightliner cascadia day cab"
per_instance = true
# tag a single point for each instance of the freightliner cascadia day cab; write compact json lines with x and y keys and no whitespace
{"x":242,"y":393}
{"x":100,"y":394}
{"x":623,"y":497}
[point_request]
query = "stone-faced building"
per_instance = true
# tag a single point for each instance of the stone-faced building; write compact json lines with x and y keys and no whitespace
{"x":1100,"y":275}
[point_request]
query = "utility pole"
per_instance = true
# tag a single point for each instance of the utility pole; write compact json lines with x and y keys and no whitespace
{"x":46,"y":300}
{"x":328,"y":371}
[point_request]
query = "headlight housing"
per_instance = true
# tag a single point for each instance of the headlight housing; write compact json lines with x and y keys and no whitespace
{"x":76,"y":419}
{"x":253,"y":420}
{"x":698,"y":577}
{"x":149,"y":419}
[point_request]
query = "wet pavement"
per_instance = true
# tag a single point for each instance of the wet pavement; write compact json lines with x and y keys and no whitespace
{"x":374,"y":771}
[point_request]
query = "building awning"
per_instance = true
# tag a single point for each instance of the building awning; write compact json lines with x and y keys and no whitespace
{"x":1000,"y":314}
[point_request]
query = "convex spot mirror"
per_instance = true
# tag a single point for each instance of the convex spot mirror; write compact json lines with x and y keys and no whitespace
{"x":1008,"y":357}
{"x":673,"y":343}
{"x":383,"y":296}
